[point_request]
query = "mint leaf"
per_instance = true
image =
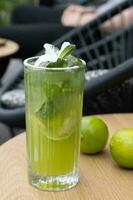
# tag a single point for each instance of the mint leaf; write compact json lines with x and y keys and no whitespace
{"x":68,"y":50}
{"x":73,"y":61}
{"x":60,"y":63}
{"x":46,"y":110}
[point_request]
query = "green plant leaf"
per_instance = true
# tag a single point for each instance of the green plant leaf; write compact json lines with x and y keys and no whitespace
{"x":60,"y":63}
{"x":68,"y":50}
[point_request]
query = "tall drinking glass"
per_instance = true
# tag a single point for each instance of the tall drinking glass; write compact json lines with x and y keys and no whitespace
{"x":53,"y":118}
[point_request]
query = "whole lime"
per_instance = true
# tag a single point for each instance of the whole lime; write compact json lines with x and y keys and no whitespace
{"x":121,"y":147}
{"x":94,"y":135}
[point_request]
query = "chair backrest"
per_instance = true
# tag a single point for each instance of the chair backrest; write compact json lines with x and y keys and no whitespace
{"x":102,"y":48}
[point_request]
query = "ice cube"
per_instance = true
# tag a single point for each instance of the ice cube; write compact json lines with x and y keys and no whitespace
{"x":50,"y":56}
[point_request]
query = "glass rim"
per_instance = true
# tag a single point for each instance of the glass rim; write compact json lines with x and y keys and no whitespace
{"x":27,"y":64}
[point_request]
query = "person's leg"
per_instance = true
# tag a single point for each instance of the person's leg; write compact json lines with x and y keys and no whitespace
{"x":31,"y":37}
{"x":26,"y":14}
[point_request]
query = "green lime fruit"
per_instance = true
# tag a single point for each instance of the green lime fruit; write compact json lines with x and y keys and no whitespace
{"x":94,"y":135}
{"x":121,"y":147}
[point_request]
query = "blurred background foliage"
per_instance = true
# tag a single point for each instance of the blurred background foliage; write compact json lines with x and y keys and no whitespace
{"x":6,"y":6}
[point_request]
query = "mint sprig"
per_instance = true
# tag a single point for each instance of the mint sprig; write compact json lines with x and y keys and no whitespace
{"x":60,"y":63}
{"x":53,"y":57}
{"x":68,"y":50}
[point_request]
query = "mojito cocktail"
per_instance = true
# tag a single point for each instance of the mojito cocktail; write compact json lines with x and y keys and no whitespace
{"x":53,"y":117}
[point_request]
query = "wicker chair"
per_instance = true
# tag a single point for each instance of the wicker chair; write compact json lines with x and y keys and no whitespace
{"x":109,"y":59}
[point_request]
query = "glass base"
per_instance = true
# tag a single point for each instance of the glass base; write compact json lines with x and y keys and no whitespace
{"x":54,"y":183}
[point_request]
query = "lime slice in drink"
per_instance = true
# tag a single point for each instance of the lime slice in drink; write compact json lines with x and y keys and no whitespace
{"x":56,"y":121}
{"x":57,"y":128}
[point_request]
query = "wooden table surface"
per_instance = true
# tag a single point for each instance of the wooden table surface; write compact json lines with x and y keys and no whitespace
{"x":101,"y":178}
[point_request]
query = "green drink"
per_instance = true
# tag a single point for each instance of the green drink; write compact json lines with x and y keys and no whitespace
{"x":53,"y":117}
